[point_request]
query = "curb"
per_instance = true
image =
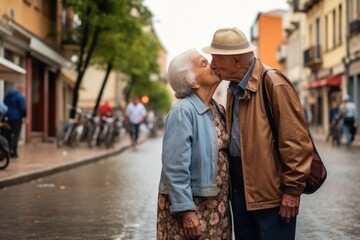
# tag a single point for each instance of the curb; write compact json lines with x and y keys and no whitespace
{"x":27,"y":177}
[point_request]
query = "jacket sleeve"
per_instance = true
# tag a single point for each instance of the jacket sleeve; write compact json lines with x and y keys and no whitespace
{"x":295,"y":146}
{"x":176,"y":159}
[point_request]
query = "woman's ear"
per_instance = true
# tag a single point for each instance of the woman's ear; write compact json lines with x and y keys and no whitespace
{"x":195,"y":85}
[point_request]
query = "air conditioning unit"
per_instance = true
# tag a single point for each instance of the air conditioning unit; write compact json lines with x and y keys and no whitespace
{"x":10,"y":13}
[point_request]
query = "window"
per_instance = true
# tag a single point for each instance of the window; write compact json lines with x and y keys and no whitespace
{"x":310,"y":35}
{"x":326,"y":33}
{"x":340,"y":24}
{"x":334,"y":28}
{"x":318,"y":32}
{"x":14,"y":57}
{"x":49,"y":9}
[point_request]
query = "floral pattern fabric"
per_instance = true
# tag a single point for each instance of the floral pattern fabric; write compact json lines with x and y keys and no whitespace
{"x":212,"y":212}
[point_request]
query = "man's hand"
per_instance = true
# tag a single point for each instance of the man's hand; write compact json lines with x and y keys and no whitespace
{"x":191,"y":225}
{"x":289,"y":206}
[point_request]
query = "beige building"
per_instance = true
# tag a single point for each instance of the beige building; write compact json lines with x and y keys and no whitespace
{"x":352,"y":60}
{"x":37,"y":53}
{"x":290,"y":53}
{"x":324,"y":54}
{"x":30,"y":55}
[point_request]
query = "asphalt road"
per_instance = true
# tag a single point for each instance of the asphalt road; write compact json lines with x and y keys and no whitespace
{"x":115,"y":198}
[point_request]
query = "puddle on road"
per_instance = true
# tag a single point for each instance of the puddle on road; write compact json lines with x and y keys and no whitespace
{"x":128,"y":232}
{"x":45,"y":185}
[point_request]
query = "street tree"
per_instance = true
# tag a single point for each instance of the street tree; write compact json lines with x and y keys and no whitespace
{"x":96,"y":19}
{"x":130,"y":52}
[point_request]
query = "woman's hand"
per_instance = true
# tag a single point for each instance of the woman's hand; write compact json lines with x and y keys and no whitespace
{"x":191,"y":225}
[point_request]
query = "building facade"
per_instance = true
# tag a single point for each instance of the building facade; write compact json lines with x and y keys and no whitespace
{"x":37,"y":51}
{"x":352,"y":59}
{"x":267,"y":34}
{"x":290,"y":53}
{"x":30,"y":56}
{"x":324,"y":55}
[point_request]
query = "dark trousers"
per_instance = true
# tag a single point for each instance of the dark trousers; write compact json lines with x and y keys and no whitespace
{"x":255,"y":225}
{"x":134,"y":131}
{"x":12,"y":136}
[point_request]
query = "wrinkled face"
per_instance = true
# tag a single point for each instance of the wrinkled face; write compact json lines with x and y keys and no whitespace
{"x":204,"y":74}
{"x":224,"y":66}
{"x":228,"y":67}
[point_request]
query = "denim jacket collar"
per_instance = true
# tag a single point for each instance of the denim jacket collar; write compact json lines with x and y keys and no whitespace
{"x":199,"y":105}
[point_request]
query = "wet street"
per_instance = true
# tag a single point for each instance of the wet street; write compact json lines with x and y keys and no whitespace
{"x":115,"y":199}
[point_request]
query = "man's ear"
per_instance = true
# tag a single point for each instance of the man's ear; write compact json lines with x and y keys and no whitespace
{"x":237,"y":60}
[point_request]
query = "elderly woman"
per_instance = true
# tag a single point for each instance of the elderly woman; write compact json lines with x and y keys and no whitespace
{"x":193,"y":199}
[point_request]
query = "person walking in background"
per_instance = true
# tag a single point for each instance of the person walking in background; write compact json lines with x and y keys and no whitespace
{"x":135,"y":113}
{"x":349,"y":114}
{"x":15,"y":101}
{"x":265,"y":187}
{"x":193,"y":201}
{"x":105,"y":109}
{"x":335,"y":129}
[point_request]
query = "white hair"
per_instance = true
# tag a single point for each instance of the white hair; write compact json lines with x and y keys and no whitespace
{"x":180,"y":73}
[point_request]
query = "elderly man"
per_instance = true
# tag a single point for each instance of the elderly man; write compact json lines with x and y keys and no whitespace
{"x":265,"y":188}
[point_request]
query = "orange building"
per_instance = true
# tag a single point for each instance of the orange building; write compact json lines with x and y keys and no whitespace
{"x":267,"y":35}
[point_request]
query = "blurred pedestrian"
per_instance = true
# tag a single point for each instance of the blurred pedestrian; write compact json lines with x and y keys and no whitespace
{"x":308,"y":114}
{"x":265,"y":186}
{"x":16,"y":113}
{"x":349,"y":113}
{"x":193,"y":198}
{"x":105,"y":109}
{"x":135,"y":113}
{"x":335,"y":129}
{"x":151,"y":121}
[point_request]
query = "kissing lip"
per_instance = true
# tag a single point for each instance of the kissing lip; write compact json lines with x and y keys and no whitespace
{"x":216,"y":72}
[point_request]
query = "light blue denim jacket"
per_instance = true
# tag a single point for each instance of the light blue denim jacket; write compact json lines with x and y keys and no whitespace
{"x":189,"y":155}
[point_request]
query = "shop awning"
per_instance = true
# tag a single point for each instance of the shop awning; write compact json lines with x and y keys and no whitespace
{"x":330,"y":81}
{"x":9,"y":71}
{"x":70,"y":78}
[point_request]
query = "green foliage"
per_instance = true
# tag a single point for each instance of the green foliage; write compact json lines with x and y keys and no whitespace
{"x":124,"y":40}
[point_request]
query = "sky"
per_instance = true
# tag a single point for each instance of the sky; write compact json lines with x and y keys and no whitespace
{"x":184,"y":24}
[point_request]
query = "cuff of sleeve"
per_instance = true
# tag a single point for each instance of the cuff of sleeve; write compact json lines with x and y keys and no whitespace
{"x":294,"y":191}
{"x":175,"y":208}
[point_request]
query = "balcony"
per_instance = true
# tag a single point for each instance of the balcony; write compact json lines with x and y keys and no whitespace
{"x":313,"y":58}
{"x":354,"y":26}
{"x":303,"y":5}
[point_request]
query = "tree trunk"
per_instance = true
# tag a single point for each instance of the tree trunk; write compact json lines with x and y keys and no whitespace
{"x":128,"y":88}
{"x":81,"y":72}
{"x":108,"y":70}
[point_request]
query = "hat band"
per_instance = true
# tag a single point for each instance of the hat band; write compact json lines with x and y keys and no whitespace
{"x":235,"y":47}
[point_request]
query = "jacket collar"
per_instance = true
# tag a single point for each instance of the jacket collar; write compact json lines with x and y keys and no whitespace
{"x":254,"y":81}
{"x":200,"y":107}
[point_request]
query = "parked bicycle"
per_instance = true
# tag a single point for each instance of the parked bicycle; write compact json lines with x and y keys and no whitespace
{"x":93,"y":131}
{"x":4,"y":149}
{"x":72,"y":132}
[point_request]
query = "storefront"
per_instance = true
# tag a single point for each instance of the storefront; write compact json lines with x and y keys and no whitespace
{"x":322,"y":92}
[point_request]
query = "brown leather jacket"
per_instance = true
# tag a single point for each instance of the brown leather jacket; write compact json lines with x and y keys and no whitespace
{"x":266,"y":179}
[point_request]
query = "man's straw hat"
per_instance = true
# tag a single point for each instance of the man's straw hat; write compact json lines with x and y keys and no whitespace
{"x":229,"y":41}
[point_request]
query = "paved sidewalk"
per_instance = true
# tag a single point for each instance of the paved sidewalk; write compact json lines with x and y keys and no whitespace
{"x":42,"y":159}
